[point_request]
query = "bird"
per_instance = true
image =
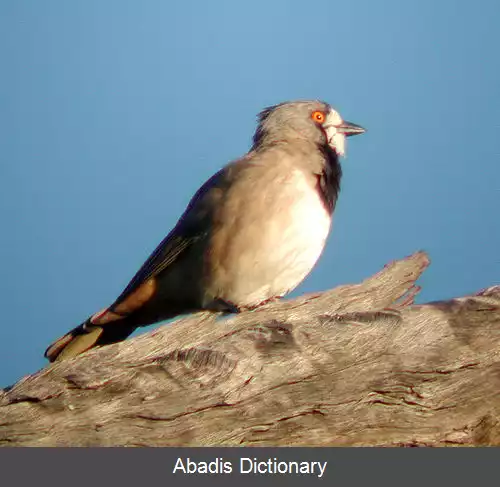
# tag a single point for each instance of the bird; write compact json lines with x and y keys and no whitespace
{"x":249,"y":235}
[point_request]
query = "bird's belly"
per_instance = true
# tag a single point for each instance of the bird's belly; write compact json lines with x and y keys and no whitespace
{"x":303,"y":240}
{"x":276,"y":255}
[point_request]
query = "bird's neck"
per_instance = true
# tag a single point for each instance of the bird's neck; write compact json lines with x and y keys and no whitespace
{"x":318,"y":159}
{"x":329,"y":179}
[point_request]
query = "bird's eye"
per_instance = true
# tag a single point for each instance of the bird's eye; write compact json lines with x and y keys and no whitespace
{"x":318,"y":116}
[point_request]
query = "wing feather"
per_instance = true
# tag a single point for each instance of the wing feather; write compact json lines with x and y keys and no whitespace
{"x":193,"y":225}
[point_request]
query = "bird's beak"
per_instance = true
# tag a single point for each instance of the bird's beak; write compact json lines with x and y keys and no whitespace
{"x":348,"y":129}
{"x":337,"y":130}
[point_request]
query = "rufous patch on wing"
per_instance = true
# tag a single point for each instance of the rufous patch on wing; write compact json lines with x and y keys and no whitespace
{"x":104,"y":316}
{"x":130,"y":304}
{"x":137,"y":298}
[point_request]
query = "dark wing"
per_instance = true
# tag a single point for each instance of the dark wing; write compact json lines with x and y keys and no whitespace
{"x":193,"y":225}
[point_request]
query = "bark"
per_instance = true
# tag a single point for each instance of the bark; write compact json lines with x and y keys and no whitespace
{"x":357,"y":365}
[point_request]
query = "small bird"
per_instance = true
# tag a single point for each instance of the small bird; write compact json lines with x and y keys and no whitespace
{"x":249,"y":235}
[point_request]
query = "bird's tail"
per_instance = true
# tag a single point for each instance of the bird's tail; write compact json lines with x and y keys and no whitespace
{"x":87,"y":336}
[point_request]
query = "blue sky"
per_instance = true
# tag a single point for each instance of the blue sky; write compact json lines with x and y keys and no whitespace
{"x":113,"y":112}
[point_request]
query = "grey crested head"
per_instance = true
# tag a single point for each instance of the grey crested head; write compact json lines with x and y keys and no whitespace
{"x":313,"y":121}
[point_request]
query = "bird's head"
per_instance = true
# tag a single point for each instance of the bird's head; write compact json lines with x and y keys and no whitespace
{"x":314,"y":121}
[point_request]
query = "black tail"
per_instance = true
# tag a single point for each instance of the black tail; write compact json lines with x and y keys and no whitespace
{"x":87,"y":336}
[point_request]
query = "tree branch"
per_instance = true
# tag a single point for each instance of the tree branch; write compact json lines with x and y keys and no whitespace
{"x":357,"y":365}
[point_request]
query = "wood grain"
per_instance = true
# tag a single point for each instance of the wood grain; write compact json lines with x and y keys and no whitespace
{"x":356,"y":365}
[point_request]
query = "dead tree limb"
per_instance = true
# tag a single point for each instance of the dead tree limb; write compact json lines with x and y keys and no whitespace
{"x":357,"y":365}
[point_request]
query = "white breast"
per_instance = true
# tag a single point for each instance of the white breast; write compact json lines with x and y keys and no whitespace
{"x":304,"y":238}
{"x":279,"y":237}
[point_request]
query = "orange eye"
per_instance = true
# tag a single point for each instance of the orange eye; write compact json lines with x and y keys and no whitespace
{"x":318,"y":116}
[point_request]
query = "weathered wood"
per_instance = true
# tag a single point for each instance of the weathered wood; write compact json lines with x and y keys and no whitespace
{"x":357,"y":365}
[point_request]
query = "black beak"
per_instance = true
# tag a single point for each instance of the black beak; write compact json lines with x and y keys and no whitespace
{"x":348,"y":129}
